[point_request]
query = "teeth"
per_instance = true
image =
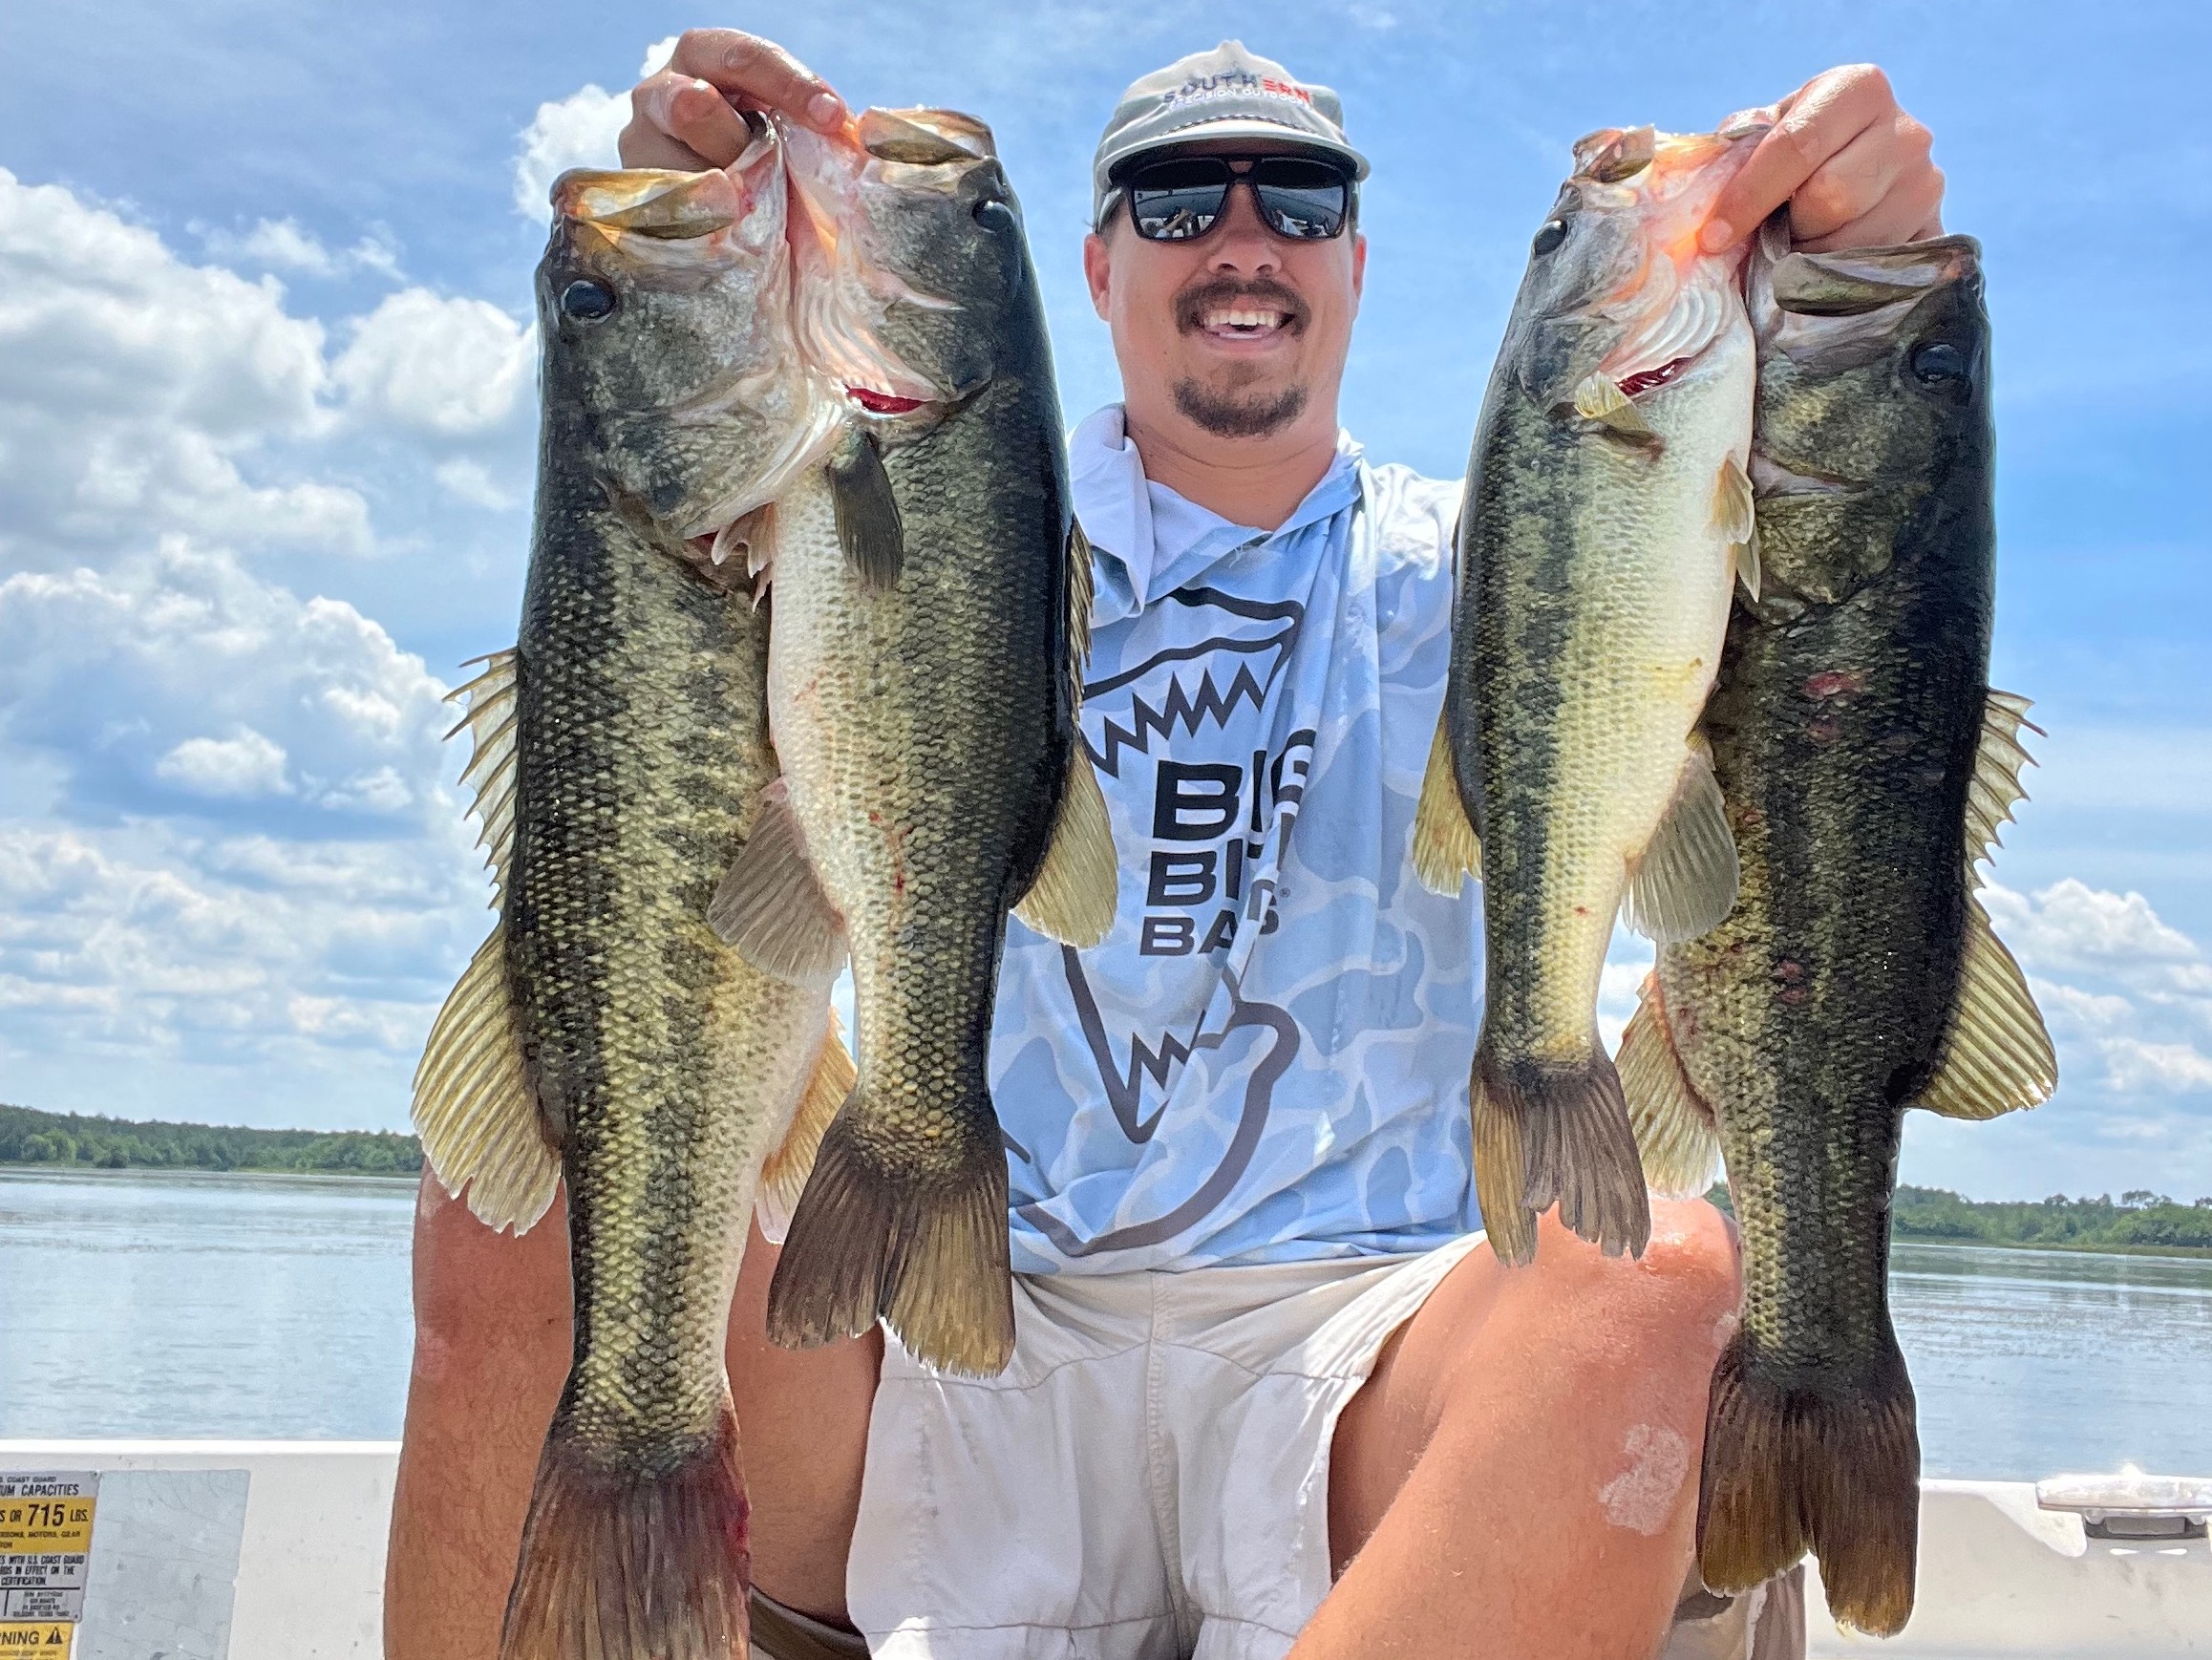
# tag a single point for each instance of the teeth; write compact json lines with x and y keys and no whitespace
{"x":1241,"y":317}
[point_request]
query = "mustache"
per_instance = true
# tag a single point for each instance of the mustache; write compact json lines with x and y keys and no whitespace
{"x":1191,"y":305}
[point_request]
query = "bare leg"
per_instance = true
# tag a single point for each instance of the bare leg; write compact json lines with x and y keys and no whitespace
{"x":1519,"y":1478}
{"x":492,"y":1336}
{"x":803,"y":1417}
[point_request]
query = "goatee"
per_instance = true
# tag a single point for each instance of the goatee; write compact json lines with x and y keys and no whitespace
{"x":1231,"y":414}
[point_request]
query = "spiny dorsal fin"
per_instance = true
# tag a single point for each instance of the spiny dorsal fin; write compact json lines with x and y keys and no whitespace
{"x":1675,"y":1133}
{"x":784,"y":1173}
{"x":1446,"y":850}
{"x":869,"y":528}
{"x":491,"y":703}
{"x":1995,"y":790}
{"x":1685,"y":883}
{"x":1996,"y":1057}
{"x":1078,"y":886}
{"x":480,"y":1127}
{"x":771,"y":905}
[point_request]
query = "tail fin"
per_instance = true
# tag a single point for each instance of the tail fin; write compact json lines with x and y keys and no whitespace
{"x":633,"y":1561}
{"x":1546,"y":1132}
{"x":923,"y":1250}
{"x":1836,"y":1471}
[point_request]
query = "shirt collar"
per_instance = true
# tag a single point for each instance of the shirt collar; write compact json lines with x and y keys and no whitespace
{"x":1152,"y":541}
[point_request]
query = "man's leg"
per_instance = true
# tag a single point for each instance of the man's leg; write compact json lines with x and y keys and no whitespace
{"x":491,"y":1327}
{"x":1519,"y":1477}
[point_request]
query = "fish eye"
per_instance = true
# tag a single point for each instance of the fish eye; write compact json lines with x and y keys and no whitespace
{"x":1553,"y":233}
{"x":586,"y":301}
{"x":1937,"y":361}
{"x":994,"y":214}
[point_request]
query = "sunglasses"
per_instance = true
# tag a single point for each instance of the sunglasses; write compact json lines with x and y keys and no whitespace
{"x":1180,"y":200}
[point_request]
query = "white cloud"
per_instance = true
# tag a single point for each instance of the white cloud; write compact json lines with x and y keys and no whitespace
{"x":243,"y":764}
{"x":284,"y":245}
{"x":447,"y":367}
{"x":467,"y":481}
{"x":577,"y":131}
{"x":135,"y":388}
{"x":2071,"y":924}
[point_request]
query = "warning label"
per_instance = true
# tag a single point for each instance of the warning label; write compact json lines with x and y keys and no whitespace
{"x":46,"y":1525}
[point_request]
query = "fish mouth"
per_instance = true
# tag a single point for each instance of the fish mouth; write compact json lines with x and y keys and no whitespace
{"x":1771,"y":478}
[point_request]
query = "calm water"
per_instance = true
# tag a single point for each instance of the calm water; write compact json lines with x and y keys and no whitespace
{"x":136,"y":1304}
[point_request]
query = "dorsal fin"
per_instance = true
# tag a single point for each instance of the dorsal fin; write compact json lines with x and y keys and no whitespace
{"x":490,"y":703}
{"x":1995,"y":790}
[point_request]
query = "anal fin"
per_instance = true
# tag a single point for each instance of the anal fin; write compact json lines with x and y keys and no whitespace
{"x":1446,"y":849}
{"x":1675,"y":1132}
{"x":474,"y":1108}
{"x":1997,"y":1056}
{"x":771,"y":905}
{"x":1684,"y":884}
{"x":1078,"y":888}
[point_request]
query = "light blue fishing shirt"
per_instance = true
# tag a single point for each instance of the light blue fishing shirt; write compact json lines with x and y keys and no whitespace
{"x":1267,"y":1059}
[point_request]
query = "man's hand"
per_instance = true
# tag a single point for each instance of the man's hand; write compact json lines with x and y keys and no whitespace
{"x":686,"y":116}
{"x":1852,"y":166}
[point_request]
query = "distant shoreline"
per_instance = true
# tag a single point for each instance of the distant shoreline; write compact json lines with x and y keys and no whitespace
{"x":379,"y":1178}
{"x":2056,"y":1247}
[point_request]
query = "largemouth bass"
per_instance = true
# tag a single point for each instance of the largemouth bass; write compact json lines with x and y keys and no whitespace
{"x":604,"y":1034}
{"x":931,"y":606}
{"x":1606,"y":515}
{"x":1867,"y":767}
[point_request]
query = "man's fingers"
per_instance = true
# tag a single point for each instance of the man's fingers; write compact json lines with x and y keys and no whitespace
{"x":1818,"y":120}
{"x":691,"y":114}
{"x":1911,"y":212}
{"x":1859,"y":178}
{"x":645,"y":145}
{"x":759,"y":74}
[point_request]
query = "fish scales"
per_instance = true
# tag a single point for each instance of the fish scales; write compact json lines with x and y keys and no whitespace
{"x":1850,"y":719}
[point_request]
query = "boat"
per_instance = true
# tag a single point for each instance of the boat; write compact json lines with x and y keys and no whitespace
{"x":274,"y":1550}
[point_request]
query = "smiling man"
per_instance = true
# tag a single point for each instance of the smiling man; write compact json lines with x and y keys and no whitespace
{"x":1271,"y":1394}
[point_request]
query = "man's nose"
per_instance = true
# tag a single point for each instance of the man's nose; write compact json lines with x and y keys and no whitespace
{"x":1242,"y":242}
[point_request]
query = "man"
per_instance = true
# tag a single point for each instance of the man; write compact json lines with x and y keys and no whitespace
{"x":1271,"y":1395}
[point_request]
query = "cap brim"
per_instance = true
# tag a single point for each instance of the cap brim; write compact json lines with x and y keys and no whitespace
{"x":1240,"y":127}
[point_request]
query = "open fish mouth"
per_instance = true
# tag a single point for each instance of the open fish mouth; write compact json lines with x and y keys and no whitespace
{"x":844,"y":290}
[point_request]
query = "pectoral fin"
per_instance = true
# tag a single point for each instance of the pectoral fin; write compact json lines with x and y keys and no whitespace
{"x":1996,"y":1055}
{"x":474,"y":1108}
{"x":1077,"y":887}
{"x":869,"y":528}
{"x":1446,"y":850}
{"x":1747,"y":563}
{"x":771,"y":905}
{"x":784,"y":1173}
{"x":1685,"y":883}
{"x":1732,"y":516}
{"x":1675,"y":1133}
{"x":1600,"y":398}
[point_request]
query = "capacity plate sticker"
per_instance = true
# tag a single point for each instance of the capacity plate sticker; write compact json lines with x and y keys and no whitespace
{"x":46,"y":1525}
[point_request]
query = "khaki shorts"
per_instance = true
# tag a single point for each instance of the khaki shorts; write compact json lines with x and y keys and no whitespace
{"x":1148,"y":1479}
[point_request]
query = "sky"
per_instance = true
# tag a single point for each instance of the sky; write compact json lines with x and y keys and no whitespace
{"x":267,"y":409}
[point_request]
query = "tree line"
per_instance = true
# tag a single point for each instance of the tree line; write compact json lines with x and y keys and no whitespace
{"x":75,"y":1140}
{"x":2138,"y":1218}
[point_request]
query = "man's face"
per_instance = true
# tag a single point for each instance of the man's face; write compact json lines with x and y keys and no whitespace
{"x":1239,"y":334}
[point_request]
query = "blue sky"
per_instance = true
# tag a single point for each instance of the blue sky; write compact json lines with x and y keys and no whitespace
{"x":265,"y":421}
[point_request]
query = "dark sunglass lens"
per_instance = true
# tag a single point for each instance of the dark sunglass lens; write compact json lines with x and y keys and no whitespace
{"x":1303,"y":200}
{"x":1174,"y":200}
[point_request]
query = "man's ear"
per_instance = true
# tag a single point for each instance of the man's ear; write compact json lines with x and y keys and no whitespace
{"x":1358,"y":266}
{"x":1097,"y":272}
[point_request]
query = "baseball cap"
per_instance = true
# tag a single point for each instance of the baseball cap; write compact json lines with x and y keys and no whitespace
{"x":1227,"y":92}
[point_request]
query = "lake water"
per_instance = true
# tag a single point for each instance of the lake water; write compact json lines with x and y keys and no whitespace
{"x":274,"y":1306}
